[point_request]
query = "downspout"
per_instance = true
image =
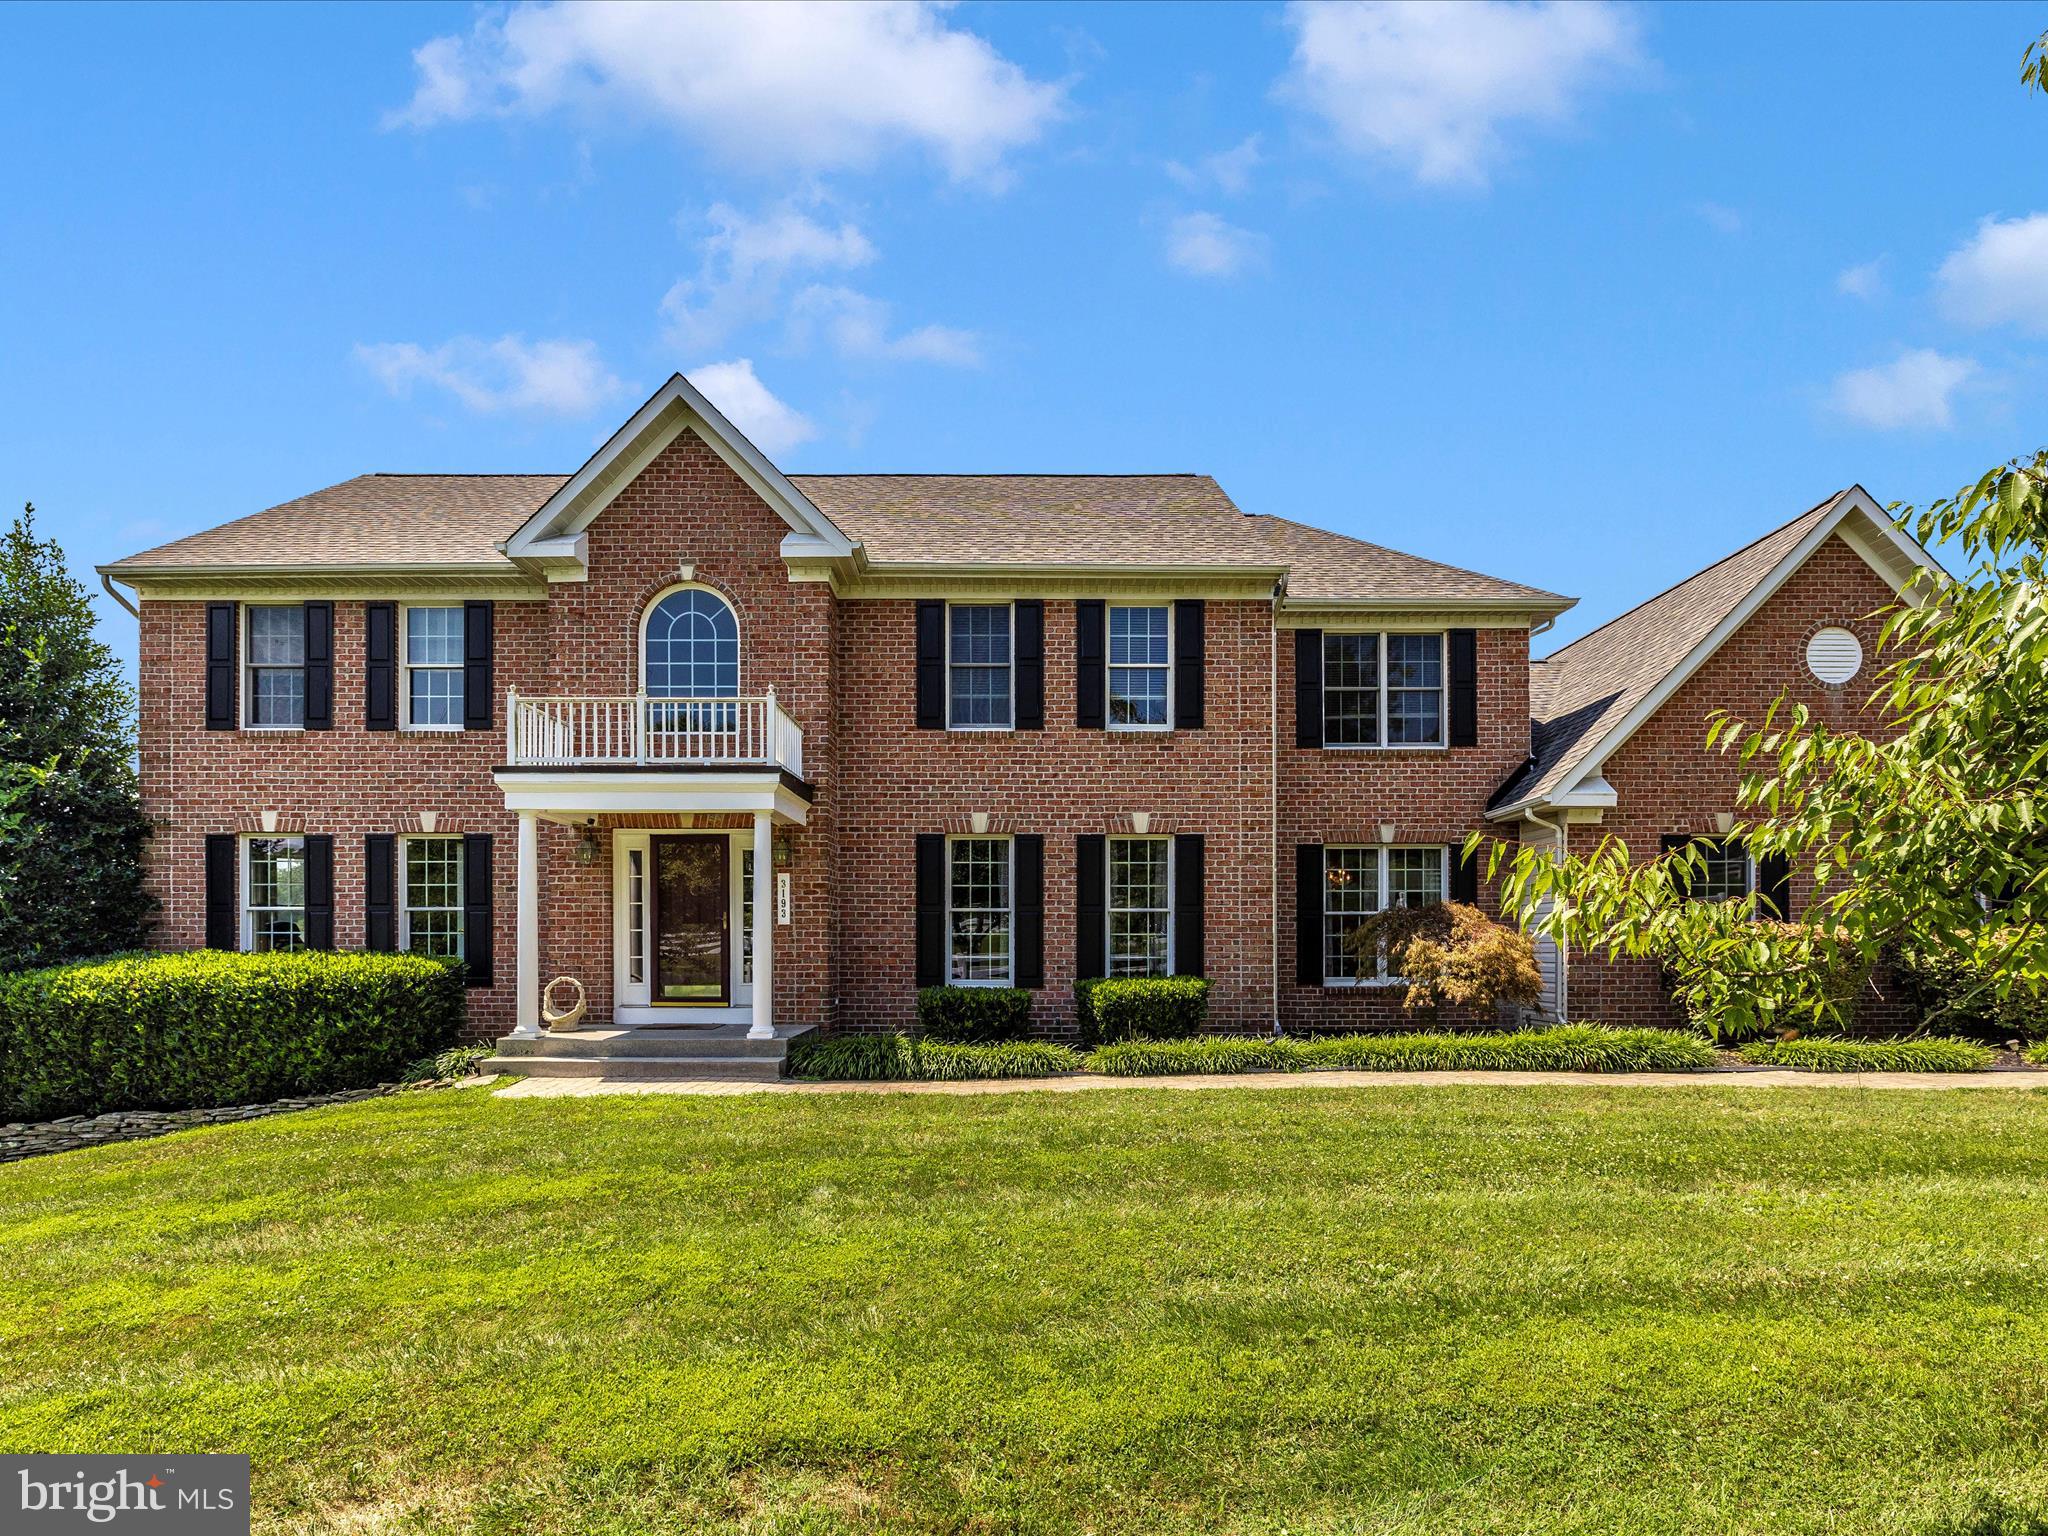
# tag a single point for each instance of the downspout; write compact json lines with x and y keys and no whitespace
{"x":1273,"y":794}
{"x":1557,"y":832}
{"x":107,"y":582}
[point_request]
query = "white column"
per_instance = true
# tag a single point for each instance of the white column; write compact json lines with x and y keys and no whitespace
{"x":763,"y":1027}
{"x":526,"y":1012}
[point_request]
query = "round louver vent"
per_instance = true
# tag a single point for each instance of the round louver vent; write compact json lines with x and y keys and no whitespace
{"x":1834,"y":655}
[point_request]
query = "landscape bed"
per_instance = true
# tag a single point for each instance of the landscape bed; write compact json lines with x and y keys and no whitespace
{"x":1443,"y":1309}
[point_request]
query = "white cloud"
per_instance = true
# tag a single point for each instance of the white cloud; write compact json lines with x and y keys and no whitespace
{"x":812,"y":87}
{"x":1999,"y":276}
{"x":1205,"y":246}
{"x":1431,"y":88}
{"x":745,"y":263}
{"x":554,"y":378}
{"x":1916,"y":389}
{"x":1863,"y":281}
{"x":771,"y":425}
{"x":856,"y":325}
{"x":1228,"y":170}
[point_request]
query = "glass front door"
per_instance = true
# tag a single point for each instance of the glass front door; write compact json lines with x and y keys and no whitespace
{"x":692,"y":905}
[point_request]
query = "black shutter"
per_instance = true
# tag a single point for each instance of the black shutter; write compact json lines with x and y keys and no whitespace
{"x":380,"y":666}
{"x":319,"y":891}
{"x":1774,"y":884}
{"x":1308,"y":914}
{"x":1188,"y":957}
{"x":319,"y":668}
{"x":931,"y":671}
{"x":1030,"y":622}
{"x":478,"y":930}
{"x":1029,"y":857}
{"x":223,"y":888}
{"x":931,"y":908}
{"x":220,"y":667}
{"x":1673,"y":842}
{"x":1189,"y":650}
{"x":1090,"y":680}
{"x":1091,"y":892}
{"x":380,"y":887}
{"x":479,"y":652}
{"x":1308,"y":693}
{"x":1464,"y":875}
{"x":1463,"y":668}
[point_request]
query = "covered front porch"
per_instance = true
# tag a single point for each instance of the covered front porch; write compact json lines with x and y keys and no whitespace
{"x":689,"y":795}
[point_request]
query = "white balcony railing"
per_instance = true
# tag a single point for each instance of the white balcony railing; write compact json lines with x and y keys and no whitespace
{"x":633,"y":730}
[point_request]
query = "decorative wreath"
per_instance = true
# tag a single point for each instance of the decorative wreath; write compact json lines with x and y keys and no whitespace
{"x":563,"y":1018}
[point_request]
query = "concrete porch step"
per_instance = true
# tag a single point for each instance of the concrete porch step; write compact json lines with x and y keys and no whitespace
{"x":676,"y":1043}
{"x":763,"y":1069}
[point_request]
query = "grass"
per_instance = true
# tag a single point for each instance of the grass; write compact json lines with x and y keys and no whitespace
{"x":1435,"y":1309}
{"x":1561,"y":1048}
{"x":1831,"y":1055}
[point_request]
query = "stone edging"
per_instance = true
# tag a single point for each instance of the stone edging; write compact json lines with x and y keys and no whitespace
{"x":36,"y":1138}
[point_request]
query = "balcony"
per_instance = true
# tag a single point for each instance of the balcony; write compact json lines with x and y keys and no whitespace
{"x":636,"y":731}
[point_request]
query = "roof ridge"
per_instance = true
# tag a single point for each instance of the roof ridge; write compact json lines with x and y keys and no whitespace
{"x":1818,"y":506}
{"x":1388,"y":549}
{"x":451,"y":474}
{"x":1001,"y":474}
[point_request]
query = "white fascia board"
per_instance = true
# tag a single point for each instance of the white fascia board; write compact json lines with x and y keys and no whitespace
{"x":570,"y":792}
{"x":675,"y":407}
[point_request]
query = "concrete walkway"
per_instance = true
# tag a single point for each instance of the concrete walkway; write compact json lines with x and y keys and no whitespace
{"x":587,"y":1087}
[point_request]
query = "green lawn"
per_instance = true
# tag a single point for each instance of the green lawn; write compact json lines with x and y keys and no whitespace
{"x":1603,"y":1309}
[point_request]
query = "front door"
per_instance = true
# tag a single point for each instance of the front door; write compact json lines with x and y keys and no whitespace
{"x":692,"y":943}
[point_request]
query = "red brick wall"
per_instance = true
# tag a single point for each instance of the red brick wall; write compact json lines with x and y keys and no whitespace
{"x":1342,"y":796}
{"x":1062,"y":783}
{"x":1667,"y":782}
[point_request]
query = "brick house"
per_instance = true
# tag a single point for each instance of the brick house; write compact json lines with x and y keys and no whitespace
{"x":991,"y":729}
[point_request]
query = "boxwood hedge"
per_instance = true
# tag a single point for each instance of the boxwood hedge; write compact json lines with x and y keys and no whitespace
{"x":974,"y":1014}
{"x":205,"y":1029}
{"x":1934,"y":1054}
{"x":1140,"y":1008}
{"x":1562,"y":1048}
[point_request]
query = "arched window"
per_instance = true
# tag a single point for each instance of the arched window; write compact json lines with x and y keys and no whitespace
{"x":692,"y":647}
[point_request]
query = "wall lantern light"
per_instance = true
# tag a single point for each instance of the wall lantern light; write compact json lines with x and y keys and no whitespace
{"x":586,"y":845}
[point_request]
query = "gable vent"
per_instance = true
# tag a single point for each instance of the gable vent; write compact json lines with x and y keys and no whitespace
{"x":1834,"y":655}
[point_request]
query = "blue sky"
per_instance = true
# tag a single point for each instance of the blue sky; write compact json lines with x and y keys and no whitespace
{"x":1584,"y":297}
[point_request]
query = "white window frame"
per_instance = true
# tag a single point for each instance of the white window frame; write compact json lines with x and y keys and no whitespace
{"x":247,"y":668}
{"x":1707,"y":849}
{"x":1108,"y":670}
{"x":406,"y":668}
{"x":1110,"y":909}
{"x":1009,"y":977}
{"x":1010,"y":609}
{"x":1384,"y":864}
{"x":405,"y":907}
{"x":1443,"y":693}
{"x":246,"y":866}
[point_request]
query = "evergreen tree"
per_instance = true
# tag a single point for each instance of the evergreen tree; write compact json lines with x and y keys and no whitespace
{"x":71,"y":822}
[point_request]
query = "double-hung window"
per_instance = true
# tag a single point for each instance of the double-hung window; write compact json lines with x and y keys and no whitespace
{"x":1359,"y":881}
{"x":1383,"y":690}
{"x":273,"y":893}
{"x":979,"y":688}
{"x":1728,"y":874}
{"x":430,"y":909}
{"x":433,"y":668}
{"x":1140,"y":665}
{"x":274,"y":664}
{"x":978,"y":911}
{"x":1140,"y":906}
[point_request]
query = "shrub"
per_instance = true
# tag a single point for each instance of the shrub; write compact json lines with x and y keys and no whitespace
{"x":2038,"y":1054}
{"x":205,"y":1029}
{"x":1754,"y":976}
{"x":1452,"y":955}
{"x":972,"y":1014}
{"x":906,"y":1058}
{"x":1957,"y":993}
{"x":1826,"y":1055}
{"x":1140,"y":1007}
{"x":456,"y":1061}
{"x":1562,"y":1048}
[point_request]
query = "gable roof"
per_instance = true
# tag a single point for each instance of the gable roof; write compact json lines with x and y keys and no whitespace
{"x":1588,"y":697}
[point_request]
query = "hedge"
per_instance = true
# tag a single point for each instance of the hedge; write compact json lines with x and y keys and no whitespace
{"x":908,"y":1058}
{"x":1935,"y":1054}
{"x":974,"y":1014}
{"x":1562,"y":1048}
{"x":1957,"y":996}
{"x":205,"y":1029}
{"x":1140,"y":1008}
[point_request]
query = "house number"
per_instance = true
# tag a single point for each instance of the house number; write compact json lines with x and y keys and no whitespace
{"x":782,"y":898}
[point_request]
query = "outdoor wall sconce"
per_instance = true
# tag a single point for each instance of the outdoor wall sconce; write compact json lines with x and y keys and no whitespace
{"x":785,"y":852}
{"x":586,"y":845}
